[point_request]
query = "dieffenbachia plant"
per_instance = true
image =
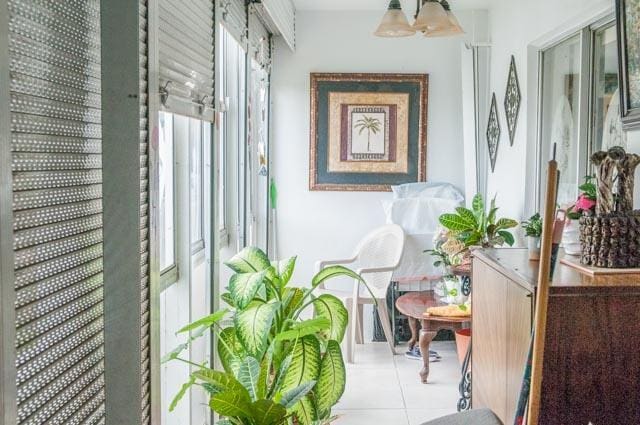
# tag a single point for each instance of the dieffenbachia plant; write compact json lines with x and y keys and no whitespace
{"x":277,"y":367}
{"x":476,"y":227}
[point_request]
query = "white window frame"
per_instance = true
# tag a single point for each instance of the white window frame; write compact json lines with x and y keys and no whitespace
{"x":169,"y":275}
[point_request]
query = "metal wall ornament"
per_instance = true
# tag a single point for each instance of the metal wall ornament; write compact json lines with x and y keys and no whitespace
{"x":493,"y":132}
{"x":512,"y":100}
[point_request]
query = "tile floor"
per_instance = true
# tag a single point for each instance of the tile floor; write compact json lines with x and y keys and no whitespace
{"x":383,"y":389}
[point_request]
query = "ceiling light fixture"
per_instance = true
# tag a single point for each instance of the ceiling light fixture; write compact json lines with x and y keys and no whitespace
{"x":433,"y":18}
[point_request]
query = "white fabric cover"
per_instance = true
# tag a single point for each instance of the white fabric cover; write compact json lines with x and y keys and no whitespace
{"x":416,"y":207}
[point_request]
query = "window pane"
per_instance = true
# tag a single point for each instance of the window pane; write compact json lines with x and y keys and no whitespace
{"x":560,"y":114}
{"x":195,"y":179}
{"x":607,"y":125}
{"x":167,"y":195}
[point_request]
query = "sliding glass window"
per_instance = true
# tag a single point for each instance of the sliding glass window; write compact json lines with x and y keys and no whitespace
{"x":579,"y":105}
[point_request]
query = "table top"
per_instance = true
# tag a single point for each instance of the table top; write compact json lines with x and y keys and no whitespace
{"x":514,"y":263}
{"x":415,"y":304}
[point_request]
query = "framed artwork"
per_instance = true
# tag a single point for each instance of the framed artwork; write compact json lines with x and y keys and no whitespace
{"x":368,"y":131}
{"x":493,"y":132}
{"x":512,"y":100}
{"x":628,"y":19}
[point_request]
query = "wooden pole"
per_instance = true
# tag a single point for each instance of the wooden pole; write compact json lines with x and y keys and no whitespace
{"x":542,"y":299}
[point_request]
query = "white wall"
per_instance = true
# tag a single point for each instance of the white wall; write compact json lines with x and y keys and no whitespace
{"x":320,"y":225}
{"x":514,"y":26}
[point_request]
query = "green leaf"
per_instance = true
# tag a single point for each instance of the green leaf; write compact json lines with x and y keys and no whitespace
{"x":230,"y":359}
{"x":206,"y":322}
{"x":304,"y":328}
{"x":285,"y":269}
{"x":182,"y":392}
{"x":265,"y":374}
{"x":455,"y":222}
{"x":249,"y":260}
{"x":305,"y":363}
{"x":492,"y":215}
{"x":467,"y":216}
{"x":291,"y":397}
{"x":507,"y":236}
{"x":231,"y":404}
{"x":333,"y":309}
{"x":248,"y":375}
{"x":473,"y":238}
{"x":221,"y":382}
{"x":304,"y":411}
{"x":227,"y":298}
{"x":267,"y":412}
{"x":506,"y":223}
{"x":478,"y":205}
{"x":332,"y":379}
{"x":173,"y":354}
{"x":243,"y":287}
{"x":331,"y":272}
{"x":292,"y":300}
{"x":284,"y":367}
{"x":253,"y":325}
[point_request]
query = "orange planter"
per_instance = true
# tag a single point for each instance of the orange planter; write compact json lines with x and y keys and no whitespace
{"x":463,"y":339}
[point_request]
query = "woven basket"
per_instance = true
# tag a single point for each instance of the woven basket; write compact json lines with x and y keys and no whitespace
{"x":611,"y":240}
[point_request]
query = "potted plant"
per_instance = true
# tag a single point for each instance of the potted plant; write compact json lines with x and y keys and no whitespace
{"x":477,"y":227}
{"x":585,"y":204}
{"x":533,"y":232}
{"x":277,"y":367}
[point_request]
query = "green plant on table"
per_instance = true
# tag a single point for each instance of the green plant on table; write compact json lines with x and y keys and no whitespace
{"x":277,"y":367}
{"x":477,"y":227}
{"x":533,"y":226}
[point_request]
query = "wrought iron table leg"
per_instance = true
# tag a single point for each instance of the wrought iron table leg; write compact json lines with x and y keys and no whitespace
{"x":464,"y":403}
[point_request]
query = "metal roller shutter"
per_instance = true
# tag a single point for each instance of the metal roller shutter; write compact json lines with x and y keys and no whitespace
{"x":145,"y":331}
{"x":234,"y":18}
{"x":56,"y":161}
{"x":259,"y":39}
{"x":280,"y":18}
{"x":185,"y":43}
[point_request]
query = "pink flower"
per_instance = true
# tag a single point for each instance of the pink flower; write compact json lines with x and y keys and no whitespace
{"x":584,"y":203}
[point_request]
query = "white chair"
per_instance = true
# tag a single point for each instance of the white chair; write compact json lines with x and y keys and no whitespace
{"x":375,"y":259}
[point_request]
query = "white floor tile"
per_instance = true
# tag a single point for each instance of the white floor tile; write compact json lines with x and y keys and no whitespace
{"x":372,"y":416}
{"x":386,"y":390}
{"x":371,"y":389}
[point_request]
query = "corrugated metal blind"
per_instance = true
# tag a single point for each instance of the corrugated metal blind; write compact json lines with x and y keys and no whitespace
{"x":234,"y":18}
{"x":57,"y":182}
{"x":280,"y":18}
{"x":185,"y":37}
{"x":145,"y":330}
{"x":259,"y":39}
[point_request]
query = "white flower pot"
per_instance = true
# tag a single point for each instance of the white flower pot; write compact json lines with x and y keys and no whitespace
{"x":533,"y":244}
{"x":571,"y":238}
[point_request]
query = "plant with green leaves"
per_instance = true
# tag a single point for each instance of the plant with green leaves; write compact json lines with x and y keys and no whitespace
{"x":533,"y":226}
{"x":371,"y":125}
{"x":478,"y":227}
{"x":277,"y":367}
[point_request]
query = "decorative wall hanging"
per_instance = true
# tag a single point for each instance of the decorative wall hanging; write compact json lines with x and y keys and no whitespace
{"x":368,"y":131}
{"x":493,"y":132}
{"x":512,"y":100}
{"x":628,"y":17}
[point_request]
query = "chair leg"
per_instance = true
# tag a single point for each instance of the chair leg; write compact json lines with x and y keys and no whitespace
{"x":350,"y":335}
{"x":360,"y":333}
{"x":386,"y":323}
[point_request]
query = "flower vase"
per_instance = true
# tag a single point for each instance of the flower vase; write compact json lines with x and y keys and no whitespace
{"x":571,"y":238}
{"x":533,"y":246}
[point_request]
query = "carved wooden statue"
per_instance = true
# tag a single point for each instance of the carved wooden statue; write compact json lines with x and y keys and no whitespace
{"x":605,"y":168}
{"x":626,"y":168}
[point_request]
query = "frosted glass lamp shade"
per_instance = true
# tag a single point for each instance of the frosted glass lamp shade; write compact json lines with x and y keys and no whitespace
{"x":454,"y":28}
{"x":432,"y":17}
{"x":394,"y":23}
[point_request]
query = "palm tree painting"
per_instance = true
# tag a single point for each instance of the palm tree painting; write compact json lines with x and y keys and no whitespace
{"x":371,"y":125}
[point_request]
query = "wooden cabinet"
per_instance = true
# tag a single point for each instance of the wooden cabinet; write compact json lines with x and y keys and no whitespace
{"x":502,"y":323}
{"x":591,"y":368}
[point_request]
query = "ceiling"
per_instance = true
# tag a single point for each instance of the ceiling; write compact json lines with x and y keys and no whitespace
{"x":380,"y":4}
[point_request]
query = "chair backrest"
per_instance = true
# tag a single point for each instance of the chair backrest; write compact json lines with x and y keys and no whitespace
{"x":382,"y":247}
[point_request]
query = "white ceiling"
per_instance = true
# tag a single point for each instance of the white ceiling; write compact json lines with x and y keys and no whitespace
{"x":409,"y":5}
